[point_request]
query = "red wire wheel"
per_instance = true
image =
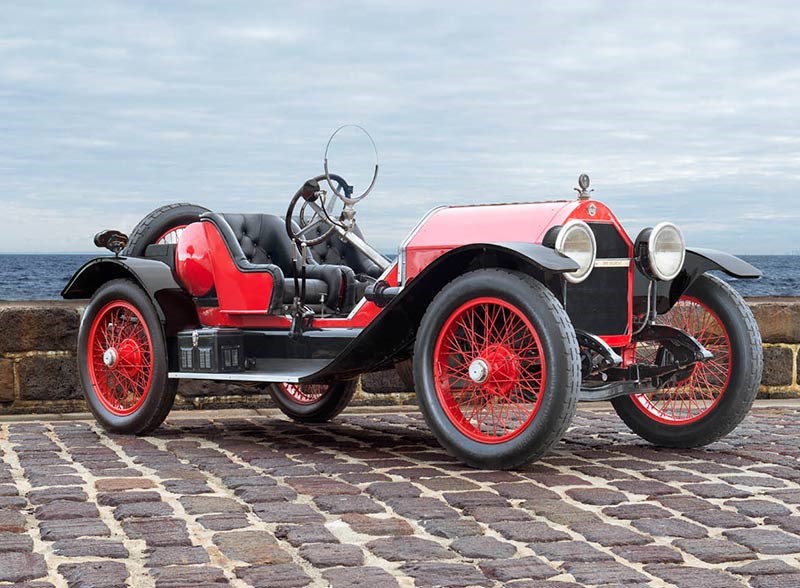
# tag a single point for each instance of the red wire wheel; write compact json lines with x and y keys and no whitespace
{"x":305,"y":394}
{"x":695,"y":396}
{"x":171,"y":236}
{"x":120,"y":357}
{"x":489,"y":370}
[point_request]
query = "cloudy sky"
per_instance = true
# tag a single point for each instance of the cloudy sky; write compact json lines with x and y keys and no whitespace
{"x":687,"y":112}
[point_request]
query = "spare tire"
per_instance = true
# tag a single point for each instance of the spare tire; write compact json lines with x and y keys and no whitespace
{"x":163,"y":225}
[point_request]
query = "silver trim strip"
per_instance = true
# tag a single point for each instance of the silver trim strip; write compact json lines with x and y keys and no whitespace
{"x":613,"y":262}
{"x":401,"y":251}
{"x":238,"y":376}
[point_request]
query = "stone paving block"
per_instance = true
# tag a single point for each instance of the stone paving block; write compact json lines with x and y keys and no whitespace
{"x":633,"y":511}
{"x":609,"y":535}
{"x":408,"y":549}
{"x":11,"y":520}
{"x":765,"y":567}
{"x":288,"y":513}
{"x":759,"y":508}
{"x":529,"y":567}
{"x":321,"y":486}
{"x":327,"y":555}
{"x":188,"y":576}
{"x":767,"y":541}
{"x":158,"y":531}
{"x":344,"y":503}
{"x":724,"y":519}
{"x":363,"y":577}
{"x":775,"y":581}
{"x":430,"y":575}
{"x":597,"y":496}
{"x":121,"y":484}
{"x":714,"y":550}
{"x":196,"y":505}
{"x":569,"y":551}
{"x":670,"y":528}
{"x":603,"y":572}
{"x":483,"y":548}
{"x":529,"y":532}
{"x":90,"y":548}
{"x":142,"y":510}
{"x":95,"y":574}
{"x":648,"y":554}
{"x":423,"y":508}
{"x":66,"y":509}
{"x":176,"y":555}
{"x":691,"y":577}
{"x":224,"y":522}
{"x":287,"y":575}
{"x":129,"y":497}
{"x":298,"y":535}
{"x":53,"y":494}
{"x":15,"y":542}
{"x":524,"y":490}
{"x":378,"y":526}
{"x":73,"y":528}
{"x":253,"y":547}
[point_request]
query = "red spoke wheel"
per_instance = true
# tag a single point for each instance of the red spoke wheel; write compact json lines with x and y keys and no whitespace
{"x":123,"y":360}
{"x":496,"y":368}
{"x":709,"y":401}
{"x":312,"y":403}
{"x":489,"y":372}
{"x":694,"y":396}
{"x":120,"y":357}
{"x":163,"y":226}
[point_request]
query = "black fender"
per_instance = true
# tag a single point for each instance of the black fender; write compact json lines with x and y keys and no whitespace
{"x":389,"y":337}
{"x":174,"y":306}
{"x":698,"y":261}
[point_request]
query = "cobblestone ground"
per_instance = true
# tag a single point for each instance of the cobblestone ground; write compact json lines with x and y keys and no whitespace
{"x":372,"y":501}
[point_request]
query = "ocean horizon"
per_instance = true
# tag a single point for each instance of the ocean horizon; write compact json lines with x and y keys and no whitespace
{"x":41,"y":276}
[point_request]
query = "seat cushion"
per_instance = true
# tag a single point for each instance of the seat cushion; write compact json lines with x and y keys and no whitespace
{"x":337,"y":252}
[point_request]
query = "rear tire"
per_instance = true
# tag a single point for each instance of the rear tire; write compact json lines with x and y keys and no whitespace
{"x":716,"y":397}
{"x":122,"y":360}
{"x":163,"y":225}
{"x":312,"y":403}
{"x":496,"y":368}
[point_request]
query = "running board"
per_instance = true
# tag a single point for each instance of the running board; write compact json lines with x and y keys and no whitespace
{"x":292,"y":371}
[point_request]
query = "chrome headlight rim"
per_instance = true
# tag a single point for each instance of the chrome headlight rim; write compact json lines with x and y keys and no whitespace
{"x":652,"y":253}
{"x":569,"y":228}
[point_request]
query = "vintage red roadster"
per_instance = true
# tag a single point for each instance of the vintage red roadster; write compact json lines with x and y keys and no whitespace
{"x":509,"y":314}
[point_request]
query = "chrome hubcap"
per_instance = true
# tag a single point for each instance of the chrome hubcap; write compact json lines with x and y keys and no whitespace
{"x":479,"y":371}
{"x":110,"y":357}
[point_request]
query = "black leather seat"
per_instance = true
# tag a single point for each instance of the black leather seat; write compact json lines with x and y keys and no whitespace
{"x":335,"y":251}
{"x":258,"y":242}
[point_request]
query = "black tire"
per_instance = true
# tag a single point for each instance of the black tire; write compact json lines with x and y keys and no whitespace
{"x":158,"y":223}
{"x":558,"y":348}
{"x":744,"y":366}
{"x":159,"y":396}
{"x":320,"y":403}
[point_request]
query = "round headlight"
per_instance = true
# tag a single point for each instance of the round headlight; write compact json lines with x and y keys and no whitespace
{"x":576,"y":241}
{"x":661,"y":251}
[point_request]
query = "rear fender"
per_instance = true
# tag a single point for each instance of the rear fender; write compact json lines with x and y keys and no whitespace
{"x":389,"y":337}
{"x":174,"y":306}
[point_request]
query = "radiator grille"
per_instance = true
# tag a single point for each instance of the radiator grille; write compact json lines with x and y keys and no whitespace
{"x":599,"y":304}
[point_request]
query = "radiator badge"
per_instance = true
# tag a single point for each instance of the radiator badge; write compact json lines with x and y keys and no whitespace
{"x":591,"y":209}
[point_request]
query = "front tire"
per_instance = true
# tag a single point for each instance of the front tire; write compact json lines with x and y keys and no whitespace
{"x":312,"y":403}
{"x":496,"y":368}
{"x":716,"y":396}
{"x":122,"y":360}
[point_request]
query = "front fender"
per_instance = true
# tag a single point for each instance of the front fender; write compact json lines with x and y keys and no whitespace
{"x":154,"y":277}
{"x":698,"y":261}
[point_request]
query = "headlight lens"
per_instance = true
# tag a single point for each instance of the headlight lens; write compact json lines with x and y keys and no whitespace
{"x":664,"y":251}
{"x":576,"y":241}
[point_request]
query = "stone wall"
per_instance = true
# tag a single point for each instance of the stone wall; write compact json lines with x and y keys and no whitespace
{"x":38,"y":371}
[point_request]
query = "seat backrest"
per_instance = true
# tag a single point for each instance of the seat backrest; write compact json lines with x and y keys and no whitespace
{"x":263,"y":239}
{"x":337,"y":252}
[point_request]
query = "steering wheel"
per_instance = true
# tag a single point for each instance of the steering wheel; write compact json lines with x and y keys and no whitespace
{"x":314,"y":198}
